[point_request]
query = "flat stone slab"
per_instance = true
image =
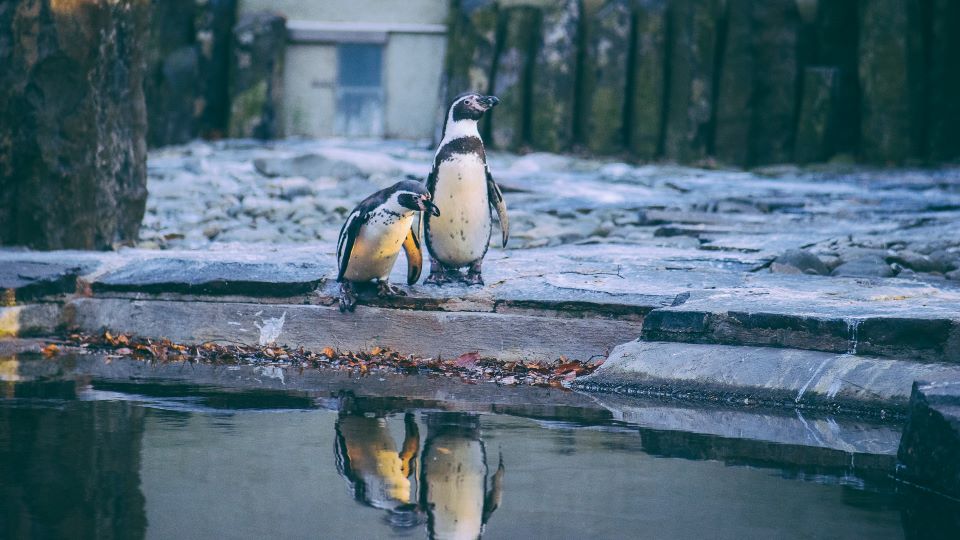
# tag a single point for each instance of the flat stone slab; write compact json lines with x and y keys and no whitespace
{"x":776,"y":436}
{"x":929,"y":452}
{"x":787,"y":378}
{"x":677,"y":295}
{"x":426,"y":333}
{"x":211,"y":277}
{"x":26,"y":280}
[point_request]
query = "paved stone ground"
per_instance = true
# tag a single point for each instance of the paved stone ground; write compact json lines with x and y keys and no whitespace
{"x":602,"y":253}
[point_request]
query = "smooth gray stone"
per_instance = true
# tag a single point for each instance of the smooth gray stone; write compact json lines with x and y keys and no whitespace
{"x":804,"y":261}
{"x":777,"y":377}
{"x":868,"y":266}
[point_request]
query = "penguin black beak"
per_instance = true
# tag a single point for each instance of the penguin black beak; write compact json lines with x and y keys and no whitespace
{"x":489,"y":102}
{"x":432,"y":208}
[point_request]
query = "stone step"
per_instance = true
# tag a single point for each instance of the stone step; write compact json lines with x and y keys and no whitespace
{"x":776,"y":377}
{"x":657,"y":293}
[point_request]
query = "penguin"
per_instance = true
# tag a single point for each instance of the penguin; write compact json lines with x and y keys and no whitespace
{"x":463,"y":189}
{"x":454,"y":488}
{"x":373,"y":234}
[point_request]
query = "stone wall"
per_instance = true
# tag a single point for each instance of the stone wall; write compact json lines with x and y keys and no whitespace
{"x":741,"y":82}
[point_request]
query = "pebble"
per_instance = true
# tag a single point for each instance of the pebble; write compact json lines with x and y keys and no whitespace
{"x":292,"y":191}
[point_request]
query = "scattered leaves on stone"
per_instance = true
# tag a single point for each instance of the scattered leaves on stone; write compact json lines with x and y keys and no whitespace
{"x":470,"y":367}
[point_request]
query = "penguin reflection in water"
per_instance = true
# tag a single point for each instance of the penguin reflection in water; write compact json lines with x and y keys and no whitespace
{"x":452,"y":486}
{"x":464,"y":191}
{"x":372,"y":236}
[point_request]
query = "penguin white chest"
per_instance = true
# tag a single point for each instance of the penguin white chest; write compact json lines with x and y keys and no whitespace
{"x":461,"y":234}
{"x":377,"y":246}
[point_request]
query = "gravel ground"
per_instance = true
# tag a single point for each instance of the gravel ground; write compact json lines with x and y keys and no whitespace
{"x":832,"y":219}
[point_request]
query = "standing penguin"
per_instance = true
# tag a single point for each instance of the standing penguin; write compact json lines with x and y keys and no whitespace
{"x":371,"y":238}
{"x":464,"y":191}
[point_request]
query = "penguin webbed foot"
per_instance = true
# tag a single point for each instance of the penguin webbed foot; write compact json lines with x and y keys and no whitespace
{"x":437,"y":278}
{"x":474,"y":274}
{"x":385,"y":289}
{"x":348,"y":298}
{"x":440,"y":274}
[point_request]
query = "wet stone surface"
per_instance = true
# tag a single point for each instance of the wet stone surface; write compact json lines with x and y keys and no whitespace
{"x":931,"y":440}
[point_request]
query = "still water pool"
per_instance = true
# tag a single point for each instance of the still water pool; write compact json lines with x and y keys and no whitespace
{"x":86,"y":458}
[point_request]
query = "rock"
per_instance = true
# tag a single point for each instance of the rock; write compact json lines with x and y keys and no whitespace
{"x":953,"y":275}
{"x":802,"y":261}
{"x":292,"y":188}
{"x":646,"y":125}
{"x":72,"y":123}
{"x":512,"y":84}
{"x":889,"y":127}
{"x":256,"y":75}
{"x":24,"y":280}
{"x":694,"y":31}
{"x":920,"y":262}
{"x":604,"y":79}
{"x":867,"y":266}
{"x":311,"y":166}
{"x":554,"y":77}
{"x":816,"y":123}
{"x":214,"y":277}
{"x":929,"y":453}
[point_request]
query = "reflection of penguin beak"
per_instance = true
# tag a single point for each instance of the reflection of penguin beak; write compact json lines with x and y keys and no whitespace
{"x":426,"y":205}
{"x":489,"y":102}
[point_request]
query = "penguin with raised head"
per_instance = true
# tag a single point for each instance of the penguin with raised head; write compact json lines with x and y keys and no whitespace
{"x":371,"y":238}
{"x":463,"y":189}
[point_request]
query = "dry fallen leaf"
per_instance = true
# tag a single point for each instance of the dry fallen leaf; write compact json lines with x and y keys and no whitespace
{"x":467,"y":360}
{"x":329,"y":352}
{"x":50,"y":350}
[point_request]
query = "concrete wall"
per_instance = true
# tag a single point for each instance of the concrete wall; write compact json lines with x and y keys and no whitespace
{"x":379,"y":11}
{"x":412,"y":62}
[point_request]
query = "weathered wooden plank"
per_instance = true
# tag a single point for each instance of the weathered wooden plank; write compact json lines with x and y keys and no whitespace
{"x":816,"y":124}
{"x":604,"y":81}
{"x":650,"y":40}
{"x":512,"y":83}
{"x":690,"y":114}
{"x":555,"y":77}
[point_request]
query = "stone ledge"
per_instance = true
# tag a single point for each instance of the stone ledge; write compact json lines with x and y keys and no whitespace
{"x":930,"y":449}
{"x":425,"y":333}
{"x":677,"y":295}
{"x":786,"y":378}
{"x":28,"y":280}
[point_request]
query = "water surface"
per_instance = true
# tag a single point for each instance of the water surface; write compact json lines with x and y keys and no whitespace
{"x":90,"y":458}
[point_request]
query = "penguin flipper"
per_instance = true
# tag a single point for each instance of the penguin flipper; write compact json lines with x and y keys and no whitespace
{"x":348,"y":236}
{"x":492,"y":500}
{"x":496,"y":200}
{"x":411,"y":246}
